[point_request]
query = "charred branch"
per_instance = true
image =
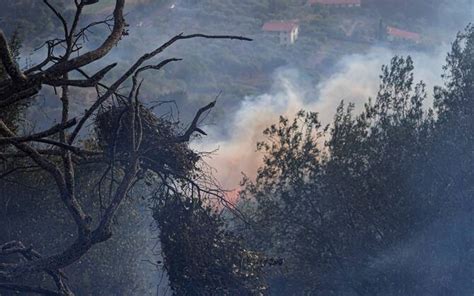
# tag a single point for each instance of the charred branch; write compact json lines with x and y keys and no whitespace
{"x":193,"y":127}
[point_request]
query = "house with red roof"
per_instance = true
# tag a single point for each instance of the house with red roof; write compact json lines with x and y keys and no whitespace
{"x":336,"y":3}
{"x":395,"y":34}
{"x":286,"y":32}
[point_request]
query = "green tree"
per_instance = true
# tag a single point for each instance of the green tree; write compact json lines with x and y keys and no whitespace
{"x":354,"y":208}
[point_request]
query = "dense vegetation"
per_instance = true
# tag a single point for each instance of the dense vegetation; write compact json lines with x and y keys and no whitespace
{"x":379,"y":203}
{"x":376,"y":203}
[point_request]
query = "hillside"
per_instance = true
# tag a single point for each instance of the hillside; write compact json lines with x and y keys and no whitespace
{"x":237,"y":70}
{"x":326,"y":35}
{"x":236,"y":147}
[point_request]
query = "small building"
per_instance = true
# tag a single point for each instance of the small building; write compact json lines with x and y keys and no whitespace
{"x":336,"y":3}
{"x":395,"y":34}
{"x":286,"y":32}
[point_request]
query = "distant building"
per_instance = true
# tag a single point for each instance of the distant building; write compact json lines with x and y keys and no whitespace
{"x":336,"y":3}
{"x":286,"y":32}
{"x":395,"y":34}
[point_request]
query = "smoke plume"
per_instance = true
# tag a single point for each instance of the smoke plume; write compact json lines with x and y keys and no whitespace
{"x":354,"y":79}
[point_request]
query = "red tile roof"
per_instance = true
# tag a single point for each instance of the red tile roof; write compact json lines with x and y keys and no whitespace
{"x":278,"y":26}
{"x":335,"y":2}
{"x":403,"y":34}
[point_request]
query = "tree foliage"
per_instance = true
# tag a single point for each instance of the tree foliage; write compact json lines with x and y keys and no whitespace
{"x":201,"y":256}
{"x":378,"y":202}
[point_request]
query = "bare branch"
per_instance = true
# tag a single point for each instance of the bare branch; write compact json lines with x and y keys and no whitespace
{"x":136,"y":66}
{"x":20,"y":87}
{"x":65,"y":147}
{"x":89,"y":2}
{"x":130,"y":174}
{"x":193,"y":127}
{"x":53,"y":130}
{"x":59,"y":16}
{"x":49,"y":57}
{"x":101,"y":51}
{"x":93,"y":24}
{"x":19,"y":96}
{"x":32,"y":153}
{"x":70,"y":36}
{"x":90,"y":82}
{"x":83,"y":153}
{"x":8,"y":62}
{"x":14,"y":247}
{"x":156,"y":67}
{"x":183,"y":37}
{"x":110,"y":91}
{"x":81,"y":219}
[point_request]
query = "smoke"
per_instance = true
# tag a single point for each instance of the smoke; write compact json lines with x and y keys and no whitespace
{"x":355,"y":78}
{"x":441,"y":251}
{"x":236,"y":153}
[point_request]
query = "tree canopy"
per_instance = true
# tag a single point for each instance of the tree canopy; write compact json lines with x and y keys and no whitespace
{"x":377,"y":203}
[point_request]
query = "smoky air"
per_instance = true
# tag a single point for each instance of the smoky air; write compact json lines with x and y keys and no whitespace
{"x":185,"y":147}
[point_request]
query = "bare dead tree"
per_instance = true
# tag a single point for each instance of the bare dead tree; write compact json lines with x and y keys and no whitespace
{"x":56,"y":150}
